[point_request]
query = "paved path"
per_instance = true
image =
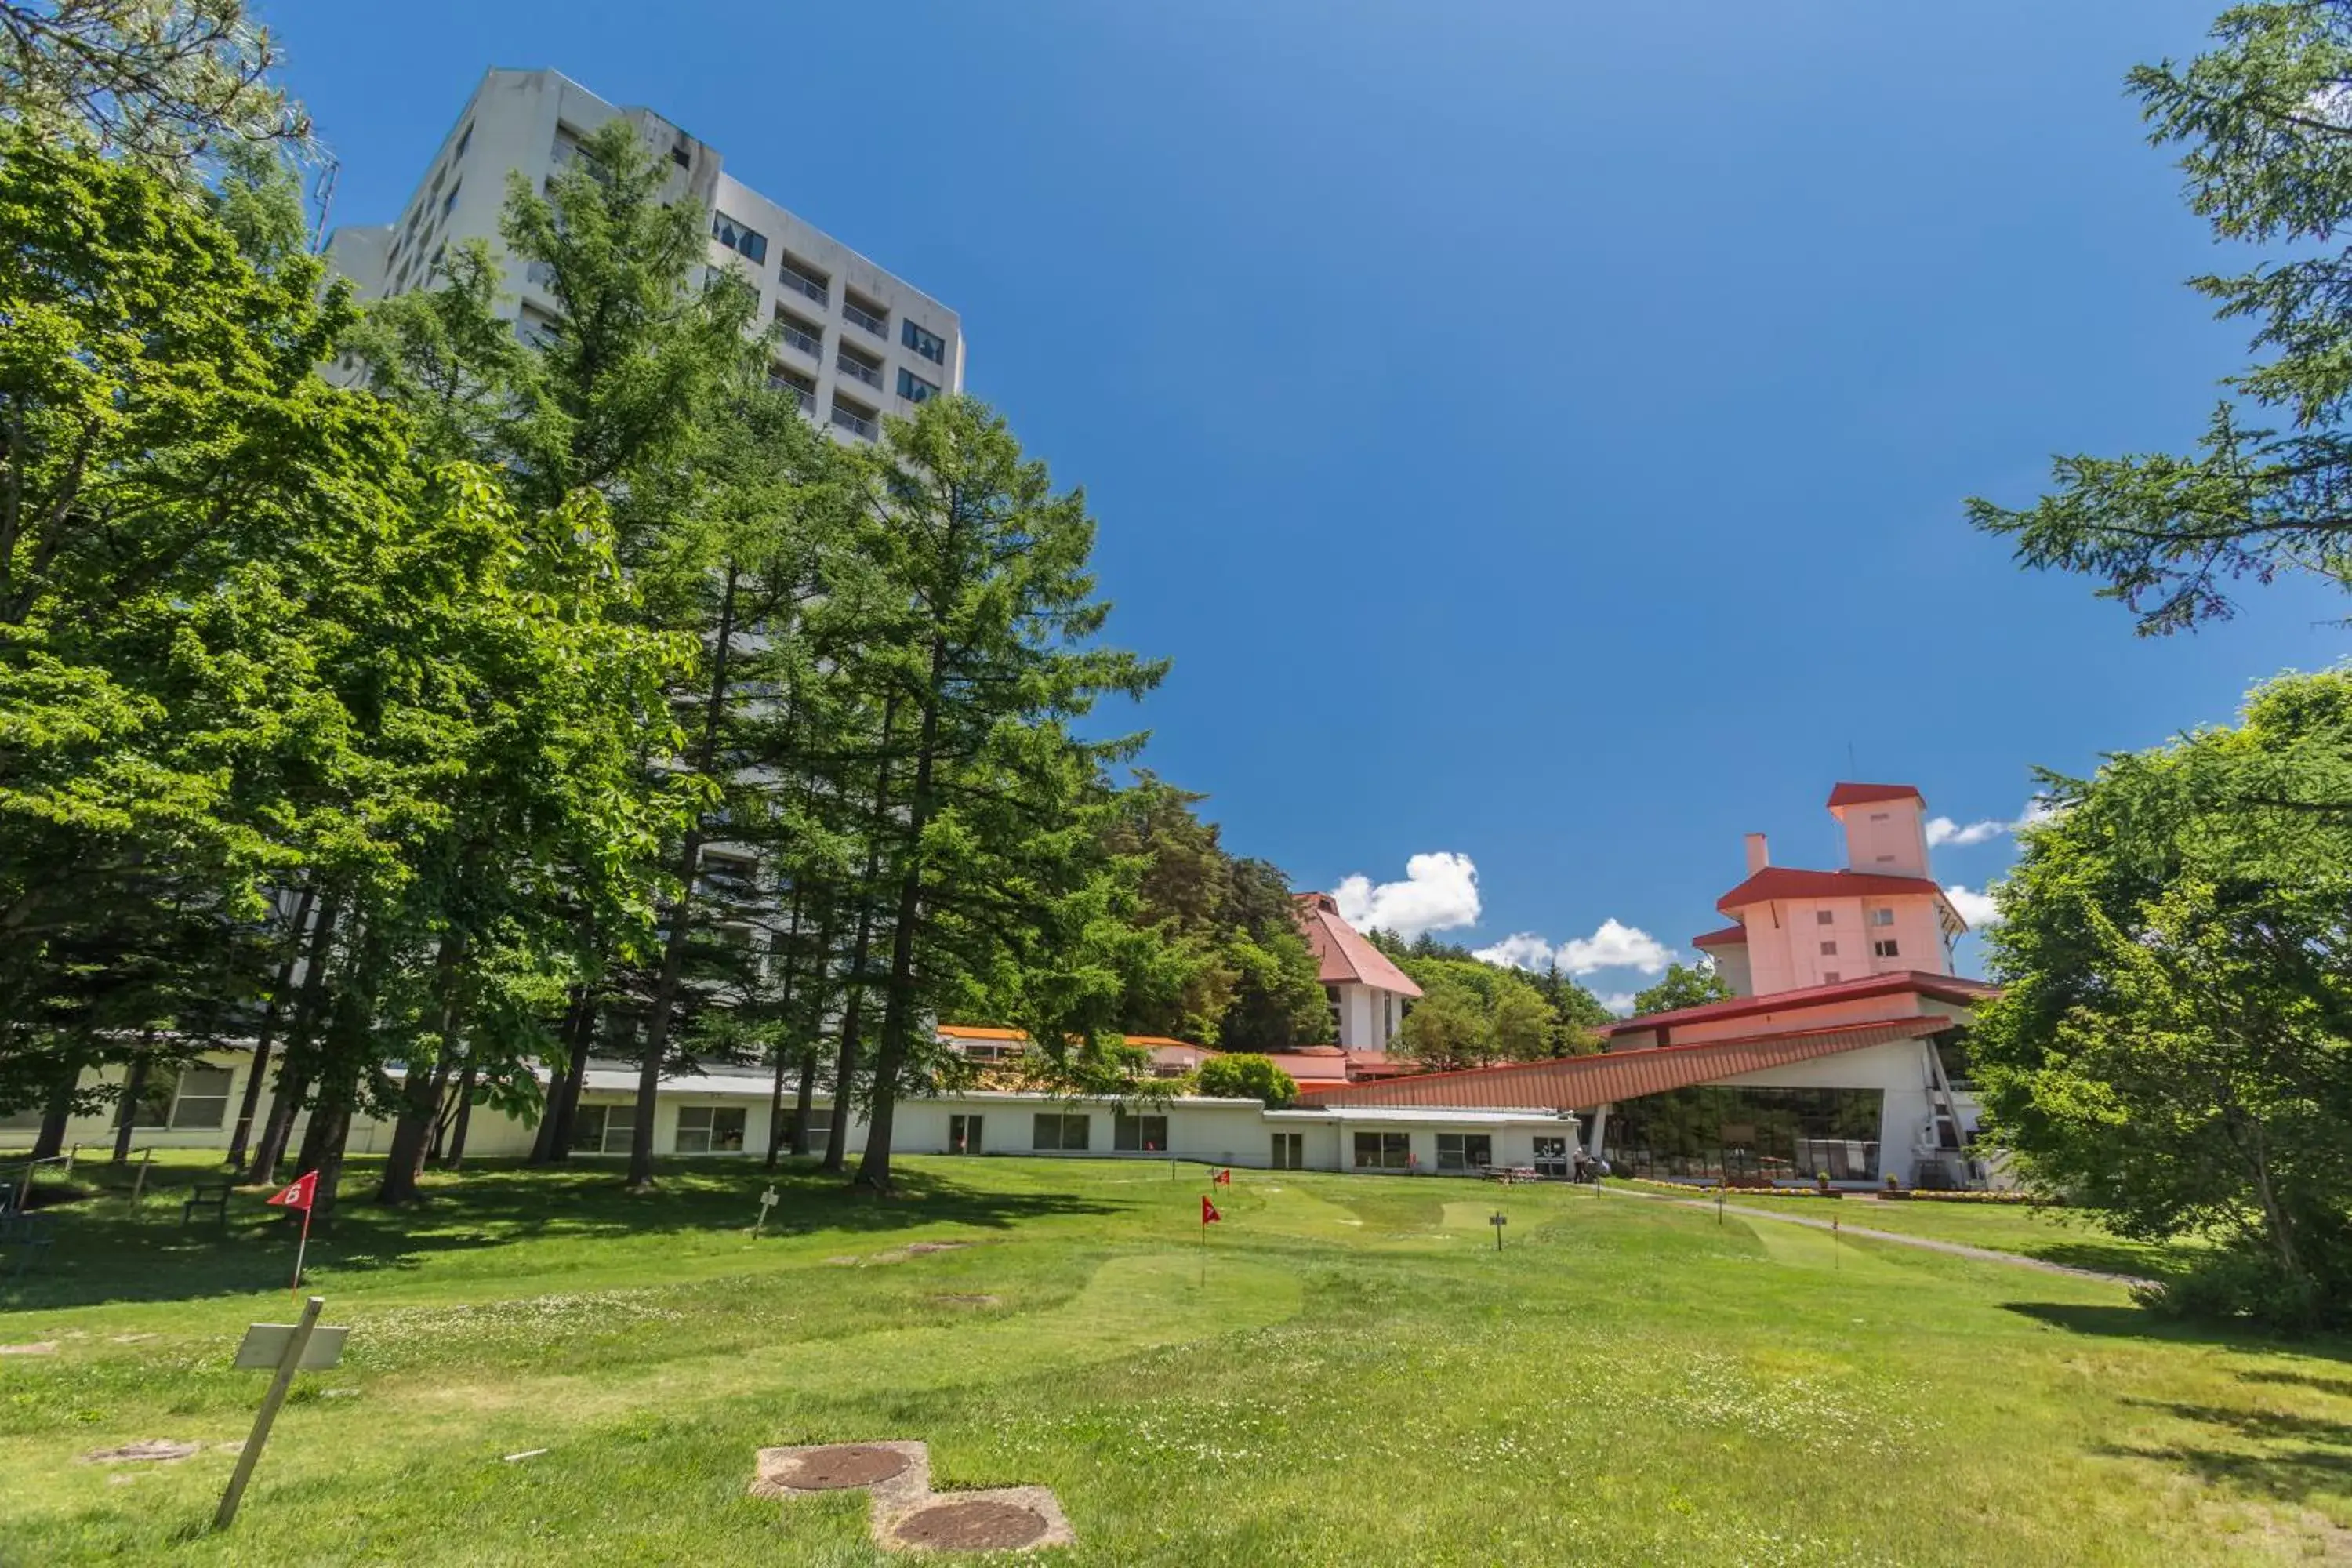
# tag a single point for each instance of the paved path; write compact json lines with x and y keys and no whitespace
{"x":1925,"y":1243}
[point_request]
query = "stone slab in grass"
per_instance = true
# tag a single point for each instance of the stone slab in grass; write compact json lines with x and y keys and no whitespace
{"x":908,"y":1516}
{"x":147,"y":1450}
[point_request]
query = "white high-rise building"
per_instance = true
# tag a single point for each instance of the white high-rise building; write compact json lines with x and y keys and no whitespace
{"x":853,"y":341}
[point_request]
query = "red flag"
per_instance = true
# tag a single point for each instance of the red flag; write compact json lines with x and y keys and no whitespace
{"x":297,"y":1197}
{"x":1224,"y":1178}
{"x":1209,"y":1214}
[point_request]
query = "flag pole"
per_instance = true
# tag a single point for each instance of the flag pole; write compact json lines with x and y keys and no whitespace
{"x":1204,"y":1245}
{"x":301,"y":1247}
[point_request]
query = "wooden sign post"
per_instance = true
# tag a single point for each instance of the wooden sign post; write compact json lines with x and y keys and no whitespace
{"x":1498,"y":1220}
{"x":767,"y":1202}
{"x":290,"y":1347}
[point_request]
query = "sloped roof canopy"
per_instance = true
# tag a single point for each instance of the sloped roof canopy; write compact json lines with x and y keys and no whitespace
{"x":1342,"y":955}
{"x":1581,"y":1083}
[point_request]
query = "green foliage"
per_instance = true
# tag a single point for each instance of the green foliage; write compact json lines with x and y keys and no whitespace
{"x":2263,"y":119}
{"x":1449,"y":1028}
{"x":1246,"y":1075}
{"x":1682,"y":986}
{"x":162,"y":83}
{"x":2174,"y":1047}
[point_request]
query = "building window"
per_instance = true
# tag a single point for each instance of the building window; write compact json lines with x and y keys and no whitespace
{"x":1829,"y":950}
{"x":748,"y":243}
{"x":679,"y":155}
{"x":710,"y":1129}
{"x":963,"y":1135}
{"x":1290,"y":1151}
{"x":1464,"y":1150}
{"x":1552,"y":1157}
{"x":604,"y":1129}
{"x":930,"y":346}
{"x":1882,"y":917}
{"x":1886,"y":860}
{"x":1715,"y":1130}
{"x":1824,"y":917}
{"x":1885,"y":948}
{"x":200,"y":1100}
{"x":1138,"y":1134}
{"x":852,"y":363}
{"x":914,"y":388}
{"x":1878,"y":816}
{"x":450,"y":201}
{"x":464,"y":140}
{"x":1384,"y":1151}
{"x":1831,"y":977}
{"x":1053,"y":1131}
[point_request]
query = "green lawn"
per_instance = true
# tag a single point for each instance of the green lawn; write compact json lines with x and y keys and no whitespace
{"x":2054,"y":1235}
{"x":1362,"y":1379}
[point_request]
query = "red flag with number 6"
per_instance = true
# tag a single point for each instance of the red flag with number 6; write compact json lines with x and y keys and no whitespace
{"x":297,"y":1197}
{"x":1209,"y":1214}
{"x":1224,"y":1178}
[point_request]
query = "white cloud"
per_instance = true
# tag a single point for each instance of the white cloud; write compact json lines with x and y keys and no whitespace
{"x":1619,"y":1002}
{"x":2039,"y":810}
{"x":1520,"y":950}
{"x":1978,"y":908}
{"x":1943,"y":830}
{"x":1440,"y":893}
{"x":1614,"y":945}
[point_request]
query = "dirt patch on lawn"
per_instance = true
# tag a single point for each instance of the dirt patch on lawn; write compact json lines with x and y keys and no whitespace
{"x":967,"y":1298}
{"x":147,"y":1450}
{"x":971,"y":1527}
{"x":43,"y":1347}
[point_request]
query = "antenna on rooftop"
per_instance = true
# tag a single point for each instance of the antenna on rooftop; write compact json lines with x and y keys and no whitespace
{"x":1852,"y":768}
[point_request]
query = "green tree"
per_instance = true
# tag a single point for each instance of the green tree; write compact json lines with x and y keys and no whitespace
{"x":1520,"y":1024}
{"x":163,"y":83}
{"x":995,"y":660}
{"x":1447,"y":1028}
{"x":2173,"y":1047}
{"x":2265,"y":122}
{"x":1682,"y":986}
{"x":1246,"y":1075}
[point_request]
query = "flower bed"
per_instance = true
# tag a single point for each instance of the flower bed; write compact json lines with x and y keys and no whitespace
{"x":2002,"y":1200}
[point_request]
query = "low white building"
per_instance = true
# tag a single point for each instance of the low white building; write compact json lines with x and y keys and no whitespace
{"x":726,"y":1111}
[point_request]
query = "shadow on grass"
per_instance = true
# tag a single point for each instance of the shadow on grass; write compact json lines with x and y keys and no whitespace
{"x":2140,"y":1323}
{"x":2278,"y":1456}
{"x":107,"y":1250}
{"x":2339,"y":1386}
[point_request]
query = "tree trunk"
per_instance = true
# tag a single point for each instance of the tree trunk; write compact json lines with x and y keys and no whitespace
{"x":330,"y":1166}
{"x":50,"y":1141}
{"x":543,"y":1144}
{"x":899,"y":1004}
{"x":804,"y":1103}
{"x":294,"y":1073}
{"x":575,"y":1078}
{"x":776,"y":1094}
{"x":270,"y":1152}
{"x":269,"y":1014}
{"x":681,"y":921}
{"x":844,"y":1068}
{"x":421,"y":1092}
{"x":464,"y":1117}
{"x":134,"y":1084}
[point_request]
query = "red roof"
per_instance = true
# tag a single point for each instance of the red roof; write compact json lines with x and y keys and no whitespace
{"x":1304,"y":1068}
{"x":1864,"y":793}
{"x":1790,"y":882}
{"x":1729,"y":936}
{"x":1344,"y":956}
{"x":1580,"y":1083}
{"x":1942,"y":988}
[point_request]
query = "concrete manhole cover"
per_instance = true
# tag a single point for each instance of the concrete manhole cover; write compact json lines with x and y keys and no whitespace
{"x":848,"y":1465}
{"x":972,"y":1527}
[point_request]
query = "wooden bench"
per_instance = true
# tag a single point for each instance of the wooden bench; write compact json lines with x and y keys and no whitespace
{"x":207,"y":1196}
{"x":24,"y":1241}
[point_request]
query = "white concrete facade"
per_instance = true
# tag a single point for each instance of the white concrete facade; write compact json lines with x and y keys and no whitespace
{"x":731,"y":1107}
{"x":858,"y":341}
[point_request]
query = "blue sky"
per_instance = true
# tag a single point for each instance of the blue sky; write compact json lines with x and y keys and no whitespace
{"x":1536,"y":431}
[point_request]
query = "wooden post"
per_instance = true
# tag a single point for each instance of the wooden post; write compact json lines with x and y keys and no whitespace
{"x":139,"y":1183}
{"x":282,"y":1379}
{"x":73,"y":1154}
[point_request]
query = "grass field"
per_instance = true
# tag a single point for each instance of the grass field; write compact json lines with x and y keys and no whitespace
{"x":2052,"y":1234}
{"x":1362,"y":1379}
